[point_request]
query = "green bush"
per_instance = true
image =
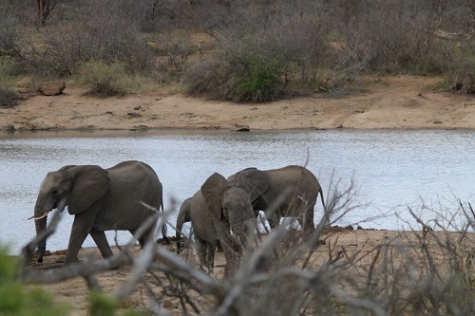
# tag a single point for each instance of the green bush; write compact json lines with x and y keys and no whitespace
{"x":18,"y":300}
{"x":105,"y":79}
{"x":257,"y":79}
{"x":249,"y":78}
{"x":103,"y":305}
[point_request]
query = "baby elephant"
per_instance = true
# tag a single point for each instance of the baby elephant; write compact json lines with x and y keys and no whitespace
{"x":221,"y":214}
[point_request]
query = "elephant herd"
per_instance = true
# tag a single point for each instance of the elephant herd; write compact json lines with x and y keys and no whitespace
{"x":222,"y":212}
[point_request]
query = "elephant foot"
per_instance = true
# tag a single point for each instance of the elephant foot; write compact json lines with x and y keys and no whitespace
{"x":70,"y":261}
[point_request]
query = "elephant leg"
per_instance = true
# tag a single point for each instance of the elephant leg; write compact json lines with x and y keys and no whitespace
{"x":308,"y":226}
{"x":82,"y":226}
{"x":210,"y":257}
{"x":100,"y":239}
{"x":203,"y":255}
{"x":143,"y":239}
{"x":273,"y":218}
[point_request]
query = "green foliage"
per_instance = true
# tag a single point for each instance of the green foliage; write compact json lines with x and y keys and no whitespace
{"x":257,"y":78}
{"x":18,"y":300}
{"x":101,"y":305}
{"x":9,"y":67}
{"x":105,"y":79}
{"x":248,"y":78}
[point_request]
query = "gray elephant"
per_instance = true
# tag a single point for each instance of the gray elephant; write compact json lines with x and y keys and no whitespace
{"x":183,"y":217}
{"x":292,"y":190}
{"x":221,"y":214}
{"x":100,"y":200}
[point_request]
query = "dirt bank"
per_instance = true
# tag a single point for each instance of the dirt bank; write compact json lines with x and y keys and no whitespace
{"x":392,"y":102}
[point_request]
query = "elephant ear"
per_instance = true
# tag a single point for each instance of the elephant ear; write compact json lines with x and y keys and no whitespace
{"x":212,"y":191}
{"x":89,"y":183}
{"x":255,"y":181}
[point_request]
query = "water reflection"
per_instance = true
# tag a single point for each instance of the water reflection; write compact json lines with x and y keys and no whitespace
{"x":392,"y":169}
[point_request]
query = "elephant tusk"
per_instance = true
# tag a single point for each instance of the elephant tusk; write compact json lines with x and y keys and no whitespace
{"x":39,"y":217}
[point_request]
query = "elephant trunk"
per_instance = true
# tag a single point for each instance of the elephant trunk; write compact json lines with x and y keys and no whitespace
{"x":238,"y":231}
{"x":40,"y":225}
{"x":179,"y":226}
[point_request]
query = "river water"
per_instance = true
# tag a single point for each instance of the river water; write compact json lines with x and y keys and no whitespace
{"x":389,"y":171}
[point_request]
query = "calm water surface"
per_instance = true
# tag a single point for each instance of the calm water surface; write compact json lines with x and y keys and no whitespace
{"x":391,"y":170}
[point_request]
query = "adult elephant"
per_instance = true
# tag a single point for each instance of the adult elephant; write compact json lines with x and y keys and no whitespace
{"x":288,"y":191}
{"x":221,"y":214}
{"x":100,"y":200}
{"x":183,"y":217}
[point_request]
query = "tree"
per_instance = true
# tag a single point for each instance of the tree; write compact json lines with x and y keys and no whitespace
{"x":44,"y":7}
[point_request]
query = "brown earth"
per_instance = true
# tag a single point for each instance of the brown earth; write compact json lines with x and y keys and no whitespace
{"x":75,"y":292}
{"x":395,"y":102}
{"x":389,"y":102}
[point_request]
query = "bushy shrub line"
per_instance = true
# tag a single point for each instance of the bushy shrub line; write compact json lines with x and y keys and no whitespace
{"x":312,"y":41}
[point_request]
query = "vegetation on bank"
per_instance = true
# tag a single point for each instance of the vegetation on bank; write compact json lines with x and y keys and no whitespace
{"x":233,"y":50}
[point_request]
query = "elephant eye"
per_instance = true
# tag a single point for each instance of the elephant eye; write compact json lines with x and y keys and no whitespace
{"x":54,"y":192}
{"x":226,"y":211}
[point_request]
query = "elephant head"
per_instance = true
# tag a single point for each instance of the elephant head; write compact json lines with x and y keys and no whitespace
{"x":183,"y":217}
{"x":78,"y":187}
{"x":230,"y":209}
{"x":254,"y":181}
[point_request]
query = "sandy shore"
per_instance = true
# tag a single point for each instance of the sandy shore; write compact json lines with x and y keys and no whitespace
{"x":393,"y":102}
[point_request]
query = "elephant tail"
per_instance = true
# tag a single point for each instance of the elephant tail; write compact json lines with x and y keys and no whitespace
{"x":164,"y":227}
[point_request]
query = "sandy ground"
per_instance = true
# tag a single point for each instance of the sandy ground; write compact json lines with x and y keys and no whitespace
{"x":391,"y":102}
{"x":396,"y":102}
{"x":74,"y":292}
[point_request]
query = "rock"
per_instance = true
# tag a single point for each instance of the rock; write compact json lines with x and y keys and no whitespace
{"x":240,"y":127}
{"x":51,"y":88}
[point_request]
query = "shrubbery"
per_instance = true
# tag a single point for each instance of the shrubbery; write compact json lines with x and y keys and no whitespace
{"x":249,"y":78}
{"x":312,"y":41}
{"x":105,"y":79}
{"x":8,"y":98}
{"x":16,"y":299}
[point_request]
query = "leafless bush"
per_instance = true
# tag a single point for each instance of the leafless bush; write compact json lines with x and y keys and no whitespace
{"x":10,"y":34}
{"x":105,"y":34}
{"x":427,"y":270}
{"x":388,"y":37}
{"x":294,"y":34}
{"x":111,"y":35}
